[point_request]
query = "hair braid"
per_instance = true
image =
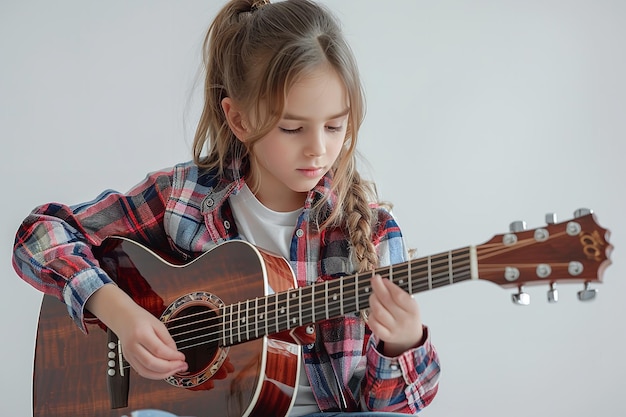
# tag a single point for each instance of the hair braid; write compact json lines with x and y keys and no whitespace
{"x":359,"y":223}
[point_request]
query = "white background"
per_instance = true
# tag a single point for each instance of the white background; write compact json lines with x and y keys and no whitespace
{"x":479,"y":113}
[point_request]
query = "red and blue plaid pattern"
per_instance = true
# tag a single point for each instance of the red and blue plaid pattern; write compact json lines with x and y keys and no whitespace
{"x":184,"y":211}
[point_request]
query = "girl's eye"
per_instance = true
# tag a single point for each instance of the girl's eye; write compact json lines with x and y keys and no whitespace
{"x":290,"y":131}
{"x":335,"y":128}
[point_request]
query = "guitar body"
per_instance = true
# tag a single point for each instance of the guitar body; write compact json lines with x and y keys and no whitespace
{"x":256,"y":378}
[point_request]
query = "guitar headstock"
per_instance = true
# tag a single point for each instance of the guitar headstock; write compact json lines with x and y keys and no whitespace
{"x":575,"y":250}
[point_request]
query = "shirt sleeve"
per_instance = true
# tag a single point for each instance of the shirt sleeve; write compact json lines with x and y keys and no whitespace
{"x":408,"y":382}
{"x":53,"y":245}
{"x":404,"y":384}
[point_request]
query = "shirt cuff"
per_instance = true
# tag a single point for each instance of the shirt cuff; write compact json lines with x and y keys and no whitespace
{"x":78,"y":290}
{"x":407,"y":365}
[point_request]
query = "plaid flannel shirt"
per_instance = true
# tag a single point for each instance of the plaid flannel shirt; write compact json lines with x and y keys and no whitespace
{"x":185,"y":211}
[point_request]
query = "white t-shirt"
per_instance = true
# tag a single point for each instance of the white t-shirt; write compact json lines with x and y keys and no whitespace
{"x":272,"y":231}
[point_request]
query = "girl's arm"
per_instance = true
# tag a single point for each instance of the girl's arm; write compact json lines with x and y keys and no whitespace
{"x":402,"y":364}
{"x":53,"y":245}
{"x":53,"y":252}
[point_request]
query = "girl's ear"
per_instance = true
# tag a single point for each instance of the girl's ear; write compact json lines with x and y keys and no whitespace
{"x":235,"y":119}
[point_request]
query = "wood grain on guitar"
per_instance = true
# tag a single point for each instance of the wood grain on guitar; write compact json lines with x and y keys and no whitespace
{"x":236,"y":314}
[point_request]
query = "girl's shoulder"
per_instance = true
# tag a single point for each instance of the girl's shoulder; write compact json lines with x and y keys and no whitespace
{"x":189,"y":176}
{"x":384,"y":222}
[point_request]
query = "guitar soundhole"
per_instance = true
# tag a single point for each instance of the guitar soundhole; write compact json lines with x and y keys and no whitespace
{"x":193,"y":328}
{"x":194,"y":323}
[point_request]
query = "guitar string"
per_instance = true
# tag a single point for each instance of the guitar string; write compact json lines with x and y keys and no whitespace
{"x":440,"y":268}
{"x":306,"y":308}
{"x":439,"y":276}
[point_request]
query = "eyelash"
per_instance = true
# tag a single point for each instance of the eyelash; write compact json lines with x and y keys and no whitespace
{"x":333,"y":129}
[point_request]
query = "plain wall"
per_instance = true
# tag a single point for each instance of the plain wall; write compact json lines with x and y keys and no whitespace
{"x":479,"y":113}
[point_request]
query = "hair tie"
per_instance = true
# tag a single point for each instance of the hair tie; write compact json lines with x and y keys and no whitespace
{"x":257,"y":4}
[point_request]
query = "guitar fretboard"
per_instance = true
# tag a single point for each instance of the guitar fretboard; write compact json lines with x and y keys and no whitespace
{"x":282,"y":311}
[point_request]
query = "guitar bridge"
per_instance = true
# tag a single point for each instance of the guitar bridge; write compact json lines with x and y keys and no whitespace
{"x":118,"y":380}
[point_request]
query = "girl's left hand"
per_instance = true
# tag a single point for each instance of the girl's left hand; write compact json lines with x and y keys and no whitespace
{"x":394,"y":317}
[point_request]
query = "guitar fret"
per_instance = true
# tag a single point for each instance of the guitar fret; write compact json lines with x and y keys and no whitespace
{"x":272,"y":314}
{"x":256,"y":318}
{"x":333,"y":298}
{"x":288,"y":311}
{"x":238,"y":322}
{"x":266,"y":318}
{"x":358,"y":303}
{"x":231,"y":326}
{"x":440,"y":278}
{"x":315,"y":312}
{"x":294,"y":309}
{"x":350,"y":302}
{"x":410,"y":278}
{"x":300,"y":305}
{"x":326,"y":298}
{"x":356,"y":293}
{"x":430,"y":274}
{"x":246,"y":319}
{"x":341,"y":296}
{"x":390,"y":276}
{"x":313,"y":318}
{"x":281,"y":312}
{"x":223,"y":316}
{"x":398,"y":278}
{"x":450,"y":274}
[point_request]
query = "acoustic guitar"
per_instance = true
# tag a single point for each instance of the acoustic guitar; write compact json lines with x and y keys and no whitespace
{"x":237,"y":315}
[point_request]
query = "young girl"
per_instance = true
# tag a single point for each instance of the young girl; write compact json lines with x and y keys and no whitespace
{"x":274,"y":165}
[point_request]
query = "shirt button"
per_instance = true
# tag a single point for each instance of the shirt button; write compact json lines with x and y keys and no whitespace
{"x":208,"y":202}
{"x":226,"y":224}
{"x":394,"y":367}
{"x":299,"y":232}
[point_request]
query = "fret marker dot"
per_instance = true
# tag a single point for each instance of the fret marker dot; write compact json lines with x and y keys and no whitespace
{"x":367,"y":289}
{"x":401,"y":281}
{"x":260,"y":316}
{"x":282,"y":311}
{"x":334,"y":297}
{"x":243,"y":320}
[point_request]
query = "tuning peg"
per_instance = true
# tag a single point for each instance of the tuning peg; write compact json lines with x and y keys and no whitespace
{"x":551,"y":218}
{"x":521,"y":298}
{"x":582,"y":212}
{"x":517,"y":226}
{"x":553,"y":293}
{"x":587,"y":294}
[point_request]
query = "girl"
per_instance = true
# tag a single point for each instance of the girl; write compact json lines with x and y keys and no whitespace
{"x":273,"y":164}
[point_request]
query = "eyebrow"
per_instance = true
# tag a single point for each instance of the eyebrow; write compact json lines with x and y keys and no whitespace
{"x":288,"y":116}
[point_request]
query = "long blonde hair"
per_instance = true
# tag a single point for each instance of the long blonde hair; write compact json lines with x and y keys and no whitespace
{"x":254,"y":52}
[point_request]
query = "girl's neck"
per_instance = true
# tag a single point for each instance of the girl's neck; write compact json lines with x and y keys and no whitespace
{"x":278,"y":200}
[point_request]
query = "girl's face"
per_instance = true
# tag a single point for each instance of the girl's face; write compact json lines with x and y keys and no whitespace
{"x":291,"y":159}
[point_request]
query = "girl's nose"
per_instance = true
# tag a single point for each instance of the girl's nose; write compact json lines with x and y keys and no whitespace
{"x":316,"y":143}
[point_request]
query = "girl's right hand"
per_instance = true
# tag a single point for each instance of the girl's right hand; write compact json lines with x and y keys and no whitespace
{"x":146,"y":343}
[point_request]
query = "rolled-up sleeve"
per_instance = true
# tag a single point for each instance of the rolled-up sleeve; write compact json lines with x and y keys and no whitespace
{"x":53,"y":245}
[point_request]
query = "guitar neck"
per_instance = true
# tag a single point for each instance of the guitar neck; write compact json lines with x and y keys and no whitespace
{"x":282,"y":311}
